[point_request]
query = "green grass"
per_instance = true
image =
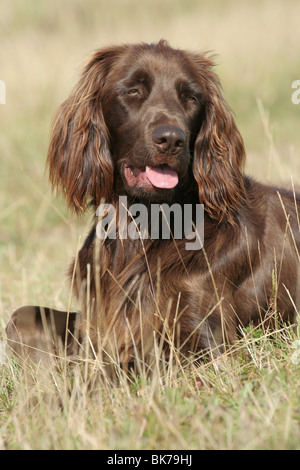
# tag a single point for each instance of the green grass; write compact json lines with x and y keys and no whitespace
{"x":246,"y":401}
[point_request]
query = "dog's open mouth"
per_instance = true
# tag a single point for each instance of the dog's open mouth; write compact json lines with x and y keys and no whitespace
{"x":161,"y":176}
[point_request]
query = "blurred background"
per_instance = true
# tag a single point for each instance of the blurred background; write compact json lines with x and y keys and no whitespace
{"x":42,"y":47}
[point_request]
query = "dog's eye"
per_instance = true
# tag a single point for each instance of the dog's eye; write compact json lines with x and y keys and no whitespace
{"x":133,"y":92}
{"x":192,"y":99}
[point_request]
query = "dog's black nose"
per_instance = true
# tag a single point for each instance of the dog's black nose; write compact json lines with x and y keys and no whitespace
{"x":169,"y":139}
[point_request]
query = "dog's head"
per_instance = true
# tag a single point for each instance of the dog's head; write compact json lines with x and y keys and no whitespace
{"x":148,"y":121}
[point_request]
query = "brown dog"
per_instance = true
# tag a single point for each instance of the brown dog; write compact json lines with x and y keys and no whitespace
{"x":149,"y":122}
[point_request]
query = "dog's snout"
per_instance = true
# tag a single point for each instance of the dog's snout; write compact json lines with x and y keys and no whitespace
{"x":169,"y":139}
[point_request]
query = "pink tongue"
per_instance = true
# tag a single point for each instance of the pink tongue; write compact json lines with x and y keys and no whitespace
{"x":162,"y":176}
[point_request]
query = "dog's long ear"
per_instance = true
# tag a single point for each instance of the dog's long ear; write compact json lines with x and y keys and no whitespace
{"x":79,"y":157}
{"x":219,"y":150}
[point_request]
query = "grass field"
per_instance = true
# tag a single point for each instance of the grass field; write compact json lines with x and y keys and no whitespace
{"x":248,"y":401}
